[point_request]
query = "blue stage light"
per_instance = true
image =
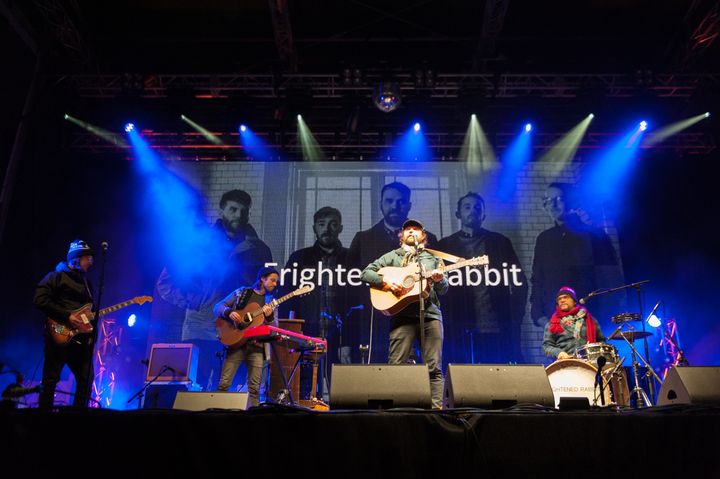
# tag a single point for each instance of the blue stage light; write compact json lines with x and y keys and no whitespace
{"x":416,"y":127}
{"x":129,"y":127}
{"x":643,"y":125}
{"x":132,"y":319}
{"x":654,"y":321}
{"x":243,"y":128}
{"x":528,"y":127}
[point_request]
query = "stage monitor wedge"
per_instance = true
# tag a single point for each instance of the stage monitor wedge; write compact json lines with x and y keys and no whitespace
{"x":691,"y":385}
{"x":496,"y":386}
{"x":379,"y":386}
{"x":202,"y":401}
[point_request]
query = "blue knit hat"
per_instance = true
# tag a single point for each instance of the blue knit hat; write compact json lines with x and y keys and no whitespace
{"x":79,"y":248}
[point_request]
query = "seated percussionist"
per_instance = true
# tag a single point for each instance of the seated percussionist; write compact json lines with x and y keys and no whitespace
{"x":570,"y":327}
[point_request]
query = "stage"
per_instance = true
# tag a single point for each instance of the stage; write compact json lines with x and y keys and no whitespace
{"x":526,"y":440}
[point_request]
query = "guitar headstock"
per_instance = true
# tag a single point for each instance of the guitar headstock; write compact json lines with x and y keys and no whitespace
{"x":303,"y":291}
{"x":142,"y":299}
{"x":477,"y":261}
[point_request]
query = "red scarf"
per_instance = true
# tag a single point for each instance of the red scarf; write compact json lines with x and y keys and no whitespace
{"x":556,"y":327}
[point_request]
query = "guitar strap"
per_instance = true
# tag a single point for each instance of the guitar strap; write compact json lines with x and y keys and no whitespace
{"x":446,"y":256}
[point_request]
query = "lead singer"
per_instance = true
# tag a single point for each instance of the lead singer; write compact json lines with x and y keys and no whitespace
{"x":405,"y":325}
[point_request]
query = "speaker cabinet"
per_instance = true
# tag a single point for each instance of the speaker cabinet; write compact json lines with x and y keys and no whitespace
{"x":379,"y":386}
{"x":201,"y":401}
{"x":496,"y":386}
{"x":691,"y":385}
{"x":173,"y":362}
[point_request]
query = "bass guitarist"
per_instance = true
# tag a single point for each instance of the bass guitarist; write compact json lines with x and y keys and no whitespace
{"x":58,"y":294}
{"x":405,"y":324}
{"x":252,"y":353}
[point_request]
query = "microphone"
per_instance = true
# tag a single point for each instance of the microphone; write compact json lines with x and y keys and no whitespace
{"x":617,"y":330}
{"x":601,"y":361}
{"x":653,"y":310}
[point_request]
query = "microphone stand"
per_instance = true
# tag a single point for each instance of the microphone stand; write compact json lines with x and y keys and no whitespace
{"x":141,"y":393}
{"x":635,"y":285}
{"x":421,"y":303}
{"x":599,"y":382}
{"x":96,"y":310}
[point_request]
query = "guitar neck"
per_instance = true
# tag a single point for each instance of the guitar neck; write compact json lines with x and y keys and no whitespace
{"x":115,"y":307}
{"x":274,"y":303}
{"x":467,"y":262}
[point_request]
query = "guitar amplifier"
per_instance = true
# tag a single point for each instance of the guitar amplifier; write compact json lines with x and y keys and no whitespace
{"x":174,"y":362}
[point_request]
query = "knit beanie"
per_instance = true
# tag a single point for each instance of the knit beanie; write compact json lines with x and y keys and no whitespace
{"x":566,"y":290}
{"x":79,"y":248}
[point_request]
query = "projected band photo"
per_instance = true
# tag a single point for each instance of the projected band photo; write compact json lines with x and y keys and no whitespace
{"x":496,"y":258}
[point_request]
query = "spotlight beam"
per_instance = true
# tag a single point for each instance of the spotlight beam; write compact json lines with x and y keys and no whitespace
{"x":562,"y":152}
{"x":102,"y":133}
{"x":476,"y":150}
{"x":309,"y":146}
{"x":203,"y":131}
{"x":667,"y":131}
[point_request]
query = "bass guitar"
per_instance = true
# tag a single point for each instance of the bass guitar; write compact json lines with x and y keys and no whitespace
{"x":62,"y":333}
{"x":232,"y":333}
{"x":408,"y":276}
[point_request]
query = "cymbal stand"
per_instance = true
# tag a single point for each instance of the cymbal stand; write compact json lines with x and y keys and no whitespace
{"x":642,"y":399}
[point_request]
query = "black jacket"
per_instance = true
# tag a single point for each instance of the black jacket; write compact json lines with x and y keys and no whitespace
{"x":61,"y":292}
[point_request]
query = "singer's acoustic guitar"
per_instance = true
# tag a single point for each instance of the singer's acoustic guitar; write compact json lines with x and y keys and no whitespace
{"x":408,"y":276}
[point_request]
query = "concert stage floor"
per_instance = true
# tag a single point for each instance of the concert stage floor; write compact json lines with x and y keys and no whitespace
{"x":297,"y":442}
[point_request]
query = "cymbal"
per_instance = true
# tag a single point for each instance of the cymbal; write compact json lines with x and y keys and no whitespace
{"x":630,"y":335}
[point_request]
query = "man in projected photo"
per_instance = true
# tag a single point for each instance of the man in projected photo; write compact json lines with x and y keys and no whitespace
{"x":575,"y":252}
{"x":395,"y":206}
{"x":246,"y":254}
{"x":328,"y":299}
{"x":370,"y":244}
{"x":482,"y":322}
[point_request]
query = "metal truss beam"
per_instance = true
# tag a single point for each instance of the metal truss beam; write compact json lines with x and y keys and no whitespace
{"x":448,"y":85}
{"x":283,"y":33}
{"x":365,"y":146}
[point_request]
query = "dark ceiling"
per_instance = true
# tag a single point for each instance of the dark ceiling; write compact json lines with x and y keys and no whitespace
{"x":508,"y":61}
{"x":184,"y":36}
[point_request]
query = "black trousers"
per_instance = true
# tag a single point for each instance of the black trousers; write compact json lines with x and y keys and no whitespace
{"x":79,"y":358}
